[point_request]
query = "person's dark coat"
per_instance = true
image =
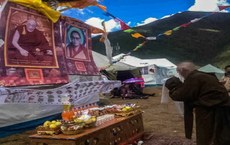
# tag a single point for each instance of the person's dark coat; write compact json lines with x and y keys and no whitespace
{"x":210,"y":99}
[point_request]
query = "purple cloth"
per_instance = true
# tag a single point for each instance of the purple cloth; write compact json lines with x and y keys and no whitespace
{"x":132,"y":80}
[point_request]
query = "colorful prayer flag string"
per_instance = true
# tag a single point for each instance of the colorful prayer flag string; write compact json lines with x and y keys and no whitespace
{"x":167,"y":33}
{"x":170,"y":32}
{"x":122,"y":24}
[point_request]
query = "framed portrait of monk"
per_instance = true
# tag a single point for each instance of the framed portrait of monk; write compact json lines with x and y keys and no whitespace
{"x":29,"y":40}
{"x":76,"y":43}
{"x":78,"y":47}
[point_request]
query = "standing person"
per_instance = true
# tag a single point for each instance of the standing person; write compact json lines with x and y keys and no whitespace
{"x":204,"y":93}
{"x":226,"y":79}
{"x":29,"y":41}
{"x":75,"y":49}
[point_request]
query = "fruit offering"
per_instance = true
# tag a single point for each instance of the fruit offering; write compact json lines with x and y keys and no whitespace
{"x":87,"y":120}
{"x":49,"y":127}
{"x":71,"y":128}
{"x":127,"y":110}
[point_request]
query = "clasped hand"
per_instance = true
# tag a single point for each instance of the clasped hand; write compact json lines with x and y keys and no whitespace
{"x":172,"y":83}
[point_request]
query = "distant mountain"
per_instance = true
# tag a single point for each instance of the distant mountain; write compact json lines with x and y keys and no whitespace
{"x":205,"y":41}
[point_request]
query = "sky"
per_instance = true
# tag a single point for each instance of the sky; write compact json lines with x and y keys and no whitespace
{"x":139,"y":12}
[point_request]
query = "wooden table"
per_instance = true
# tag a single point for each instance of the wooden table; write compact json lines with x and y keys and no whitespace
{"x":120,"y":131}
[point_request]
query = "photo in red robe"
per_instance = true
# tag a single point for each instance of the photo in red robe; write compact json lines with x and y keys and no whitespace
{"x":30,"y":54}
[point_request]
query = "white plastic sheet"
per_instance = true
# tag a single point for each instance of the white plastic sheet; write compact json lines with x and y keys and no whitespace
{"x":165,"y":100}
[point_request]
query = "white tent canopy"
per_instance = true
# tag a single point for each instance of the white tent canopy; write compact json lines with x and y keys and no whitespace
{"x":162,"y":62}
{"x":212,"y":69}
{"x":102,"y":61}
{"x":137,"y":62}
{"x":128,"y":59}
{"x":162,"y":66}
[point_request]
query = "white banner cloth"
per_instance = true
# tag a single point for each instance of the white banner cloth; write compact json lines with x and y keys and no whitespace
{"x":75,"y":93}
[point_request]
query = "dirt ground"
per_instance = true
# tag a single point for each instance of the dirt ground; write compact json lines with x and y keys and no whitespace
{"x":159,"y":119}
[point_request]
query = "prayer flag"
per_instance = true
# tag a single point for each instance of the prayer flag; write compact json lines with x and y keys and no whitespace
{"x":82,"y":4}
{"x":223,"y":7}
{"x":151,"y":38}
{"x":137,"y":35}
{"x":169,"y":32}
{"x":129,"y":30}
{"x":122,"y":24}
{"x":175,"y":29}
